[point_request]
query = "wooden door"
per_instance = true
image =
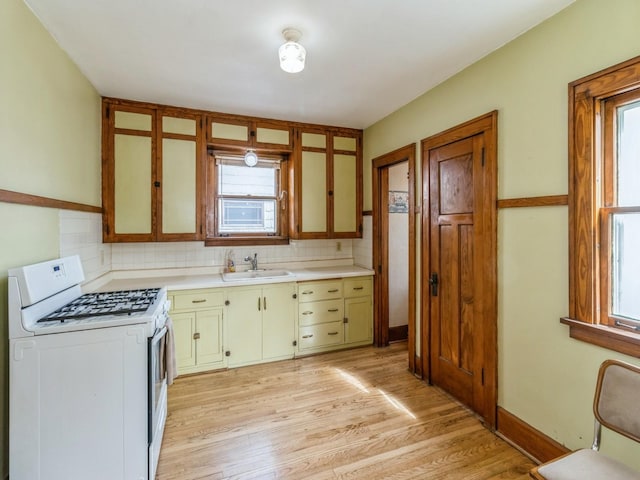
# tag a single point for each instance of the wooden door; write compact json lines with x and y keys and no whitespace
{"x":460,"y":275}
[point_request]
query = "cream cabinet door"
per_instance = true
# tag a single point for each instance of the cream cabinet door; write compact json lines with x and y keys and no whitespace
{"x":209,"y":343}
{"x":314,"y":192}
{"x":278,"y":321}
{"x":183,"y":329}
{"x":179,"y":202}
{"x":244,"y":326}
{"x":344,"y":193}
{"x":179,"y":164}
{"x":358,"y":314}
{"x":133,"y":158}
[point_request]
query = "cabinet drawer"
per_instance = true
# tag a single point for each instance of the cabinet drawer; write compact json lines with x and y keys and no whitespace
{"x":310,"y":292}
{"x":321,"y":335}
{"x":357,"y":287}
{"x":310,"y":313}
{"x":203,"y":299}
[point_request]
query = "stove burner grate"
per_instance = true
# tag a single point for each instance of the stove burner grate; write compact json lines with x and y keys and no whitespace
{"x":123,"y":302}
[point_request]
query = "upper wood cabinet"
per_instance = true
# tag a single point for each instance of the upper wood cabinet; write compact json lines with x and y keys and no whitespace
{"x":154,"y":176}
{"x":229,"y":130}
{"x":327,"y":179}
{"x":152,"y":173}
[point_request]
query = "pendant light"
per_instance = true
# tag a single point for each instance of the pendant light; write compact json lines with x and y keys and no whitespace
{"x":292,"y":55}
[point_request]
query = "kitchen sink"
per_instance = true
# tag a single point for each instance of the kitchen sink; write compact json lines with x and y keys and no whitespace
{"x":254,"y":275}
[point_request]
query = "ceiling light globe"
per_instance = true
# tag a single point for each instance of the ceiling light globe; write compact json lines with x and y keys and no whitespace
{"x":292,"y":56}
{"x":250,"y":158}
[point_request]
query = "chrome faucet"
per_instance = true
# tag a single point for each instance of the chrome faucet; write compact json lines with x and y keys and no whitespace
{"x":253,"y":261}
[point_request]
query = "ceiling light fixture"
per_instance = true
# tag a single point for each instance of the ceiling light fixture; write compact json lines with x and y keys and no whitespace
{"x":250,"y":158}
{"x":291,"y":53}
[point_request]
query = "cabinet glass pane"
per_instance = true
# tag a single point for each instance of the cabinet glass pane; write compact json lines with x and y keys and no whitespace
{"x":344,"y":193}
{"x":184,"y":126}
{"x":228,"y":131}
{"x":316,"y":140}
{"x":344,"y":143}
{"x":178,"y":186}
{"x":271,"y":135}
{"x":132,"y":184}
{"x":133,"y":121}
{"x":314,"y":192}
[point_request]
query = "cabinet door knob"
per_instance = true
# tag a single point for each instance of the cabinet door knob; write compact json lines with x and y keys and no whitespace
{"x":295,"y":295}
{"x":346,"y":320}
{"x":196,"y":336}
{"x":227,"y":303}
{"x":227,"y":353}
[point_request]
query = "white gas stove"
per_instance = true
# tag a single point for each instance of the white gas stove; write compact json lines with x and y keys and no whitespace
{"x":87,"y":376}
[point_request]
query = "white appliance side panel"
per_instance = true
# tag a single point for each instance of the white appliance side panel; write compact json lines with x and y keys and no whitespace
{"x":78,"y":405}
{"x":41,"y":280}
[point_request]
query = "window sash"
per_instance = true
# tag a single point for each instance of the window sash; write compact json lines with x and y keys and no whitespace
{"x":265,"y":213}
{"x":609,"y":269}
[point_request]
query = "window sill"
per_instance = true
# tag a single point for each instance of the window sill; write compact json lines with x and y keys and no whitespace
{"x":611,"y":338}
{"x":244,"y":241}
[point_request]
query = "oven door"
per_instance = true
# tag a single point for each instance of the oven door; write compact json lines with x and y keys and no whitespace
{"x":157,"y":396}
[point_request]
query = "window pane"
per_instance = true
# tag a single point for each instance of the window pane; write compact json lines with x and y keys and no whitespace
{"x":625,"y":265}
{"x":248,"y":181}
{"x":247,"y":216}
{"x":628,"y":161}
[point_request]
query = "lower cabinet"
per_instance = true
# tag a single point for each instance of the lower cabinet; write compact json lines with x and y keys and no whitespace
{"x":234,"y":326}
{"x":260,"y":324}
{"x":197,"y":317}
{"x":335,"y":314}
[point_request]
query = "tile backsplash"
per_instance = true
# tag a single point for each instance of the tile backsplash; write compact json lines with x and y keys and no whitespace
{"x":134,"y":256}
{"x":363,"y":247}
{"x":81,"y":233}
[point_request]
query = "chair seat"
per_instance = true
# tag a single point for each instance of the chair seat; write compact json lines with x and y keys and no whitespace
{"x":587,"y":465}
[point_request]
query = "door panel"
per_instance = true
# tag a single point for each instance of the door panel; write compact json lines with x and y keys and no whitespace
{"x":456,"y":353}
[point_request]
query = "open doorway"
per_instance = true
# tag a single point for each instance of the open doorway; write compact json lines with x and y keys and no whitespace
{"x":394,"y":254}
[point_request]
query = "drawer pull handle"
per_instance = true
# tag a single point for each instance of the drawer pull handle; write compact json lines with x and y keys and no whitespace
{"x":332,"y":333}
{"x":307,"y":336}
{"x":199,"y":301}
{"x":332,"y":310}
{"x":358,"y":288}
{"x":307,"y":313}
{"x":333,"y":290}
{"x":307,"y":292}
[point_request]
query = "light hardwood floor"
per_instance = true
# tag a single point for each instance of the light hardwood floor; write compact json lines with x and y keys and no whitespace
{"x":356,"y":414}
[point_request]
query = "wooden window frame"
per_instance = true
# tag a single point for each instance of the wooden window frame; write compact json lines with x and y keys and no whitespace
{"x":213,"y":238}
{"x":590,"y":194}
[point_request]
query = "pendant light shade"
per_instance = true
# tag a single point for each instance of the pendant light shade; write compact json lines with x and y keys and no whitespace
{"x":292,"y":55}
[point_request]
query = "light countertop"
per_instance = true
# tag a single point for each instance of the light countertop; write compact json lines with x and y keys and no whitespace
{"x":185,"y":280}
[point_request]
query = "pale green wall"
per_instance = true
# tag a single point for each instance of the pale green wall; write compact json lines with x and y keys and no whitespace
{"x":545,"y":378}
{"x":49,"y":146}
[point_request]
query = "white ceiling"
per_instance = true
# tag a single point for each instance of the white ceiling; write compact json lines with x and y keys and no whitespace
{"x":365,"y":58}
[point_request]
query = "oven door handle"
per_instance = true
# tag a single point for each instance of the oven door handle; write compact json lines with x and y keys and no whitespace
{"x":159,"y":335}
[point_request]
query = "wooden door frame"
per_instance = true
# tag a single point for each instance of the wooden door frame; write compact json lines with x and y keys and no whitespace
{"x":488,"y":125}
{"x":380,"y":249}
